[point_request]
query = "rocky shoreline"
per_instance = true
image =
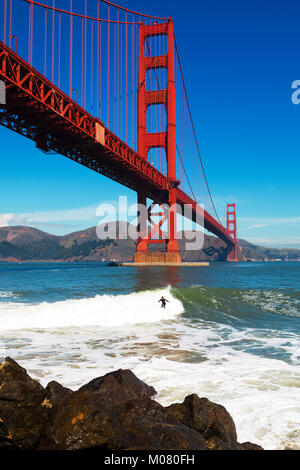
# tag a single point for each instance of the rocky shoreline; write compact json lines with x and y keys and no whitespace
{"x":113,"y":412}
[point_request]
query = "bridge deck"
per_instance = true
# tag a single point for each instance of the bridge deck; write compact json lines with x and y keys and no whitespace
{"x":41,"y":112}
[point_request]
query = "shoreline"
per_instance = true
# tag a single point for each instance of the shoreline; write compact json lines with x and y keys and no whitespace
{"x":113,"y":412}
{"x":130,"y":263}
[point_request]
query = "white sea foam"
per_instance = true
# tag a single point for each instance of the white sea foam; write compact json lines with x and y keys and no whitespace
{"x":105,"y":310}
{"x":262,"y":395}
{"x":77,"y":340}
{"x":8,"y":295}
{"x":273,"y":302}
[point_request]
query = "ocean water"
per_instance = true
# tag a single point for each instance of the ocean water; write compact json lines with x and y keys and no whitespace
{"x":230,"y":332}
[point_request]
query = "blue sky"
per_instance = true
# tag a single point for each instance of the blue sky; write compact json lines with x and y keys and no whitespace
{"x":239,"y":61}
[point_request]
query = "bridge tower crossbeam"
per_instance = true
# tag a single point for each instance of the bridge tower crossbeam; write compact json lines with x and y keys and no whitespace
{"x":165,"y":140}
{"x":232,"y":231}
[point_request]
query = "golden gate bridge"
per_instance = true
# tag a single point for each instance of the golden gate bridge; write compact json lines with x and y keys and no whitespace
{"x":104,"y":86}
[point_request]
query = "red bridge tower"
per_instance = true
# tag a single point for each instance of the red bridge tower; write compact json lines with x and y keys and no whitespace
{"x":165,"y":140}
{"x":232,"y":231}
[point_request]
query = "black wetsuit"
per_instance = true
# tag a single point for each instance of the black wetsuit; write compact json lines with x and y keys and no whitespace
{"x":163,"y":302}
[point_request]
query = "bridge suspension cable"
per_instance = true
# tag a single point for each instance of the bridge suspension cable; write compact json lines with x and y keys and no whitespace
{"x":177,"y":149}
{"x":78,"y":15}
{"x":97,"y":65}
{"x":120,"y":76}
{"x":133,"y":12}
{"x":194,"y":131}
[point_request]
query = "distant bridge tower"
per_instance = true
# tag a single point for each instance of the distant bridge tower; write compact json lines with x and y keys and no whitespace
{"x":165,"y":140}
{"x":232,"y":231}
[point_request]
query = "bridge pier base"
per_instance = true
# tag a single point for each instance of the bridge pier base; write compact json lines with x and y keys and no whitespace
{"x":157,"y":257}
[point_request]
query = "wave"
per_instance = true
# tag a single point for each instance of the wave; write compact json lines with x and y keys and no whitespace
{"x":104,"y":310}
{"x":8,"y":295}
{"x":240,"y":302}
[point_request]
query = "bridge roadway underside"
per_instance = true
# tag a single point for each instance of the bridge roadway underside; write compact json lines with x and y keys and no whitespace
{"x":38,"y":110}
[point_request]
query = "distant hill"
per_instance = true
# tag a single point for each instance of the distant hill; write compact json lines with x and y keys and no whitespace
{"x":20,"y":236}
{"x":20,"y":243}
{"x":30,"y":244}
{"x":251,"y":251}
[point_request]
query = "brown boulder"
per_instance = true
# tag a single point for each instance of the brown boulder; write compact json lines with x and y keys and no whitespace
{"x":250,"y":446}
{"x":86,"y":419}
{"x":120,"y":386}
{"x":16,"y":384}
{"x":55,"y":392}
{"x":210,"y":419}
{"x":81,"y":420}
{"x":146,"y":425}
{"x":22,"y":415}
{"x":113,"y":412}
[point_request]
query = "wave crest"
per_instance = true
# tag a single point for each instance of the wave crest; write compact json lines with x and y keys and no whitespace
{"x":104,"y":310}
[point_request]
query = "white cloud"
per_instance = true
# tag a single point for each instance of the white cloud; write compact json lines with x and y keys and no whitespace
{"x":252,"y":227}
{"x":6,"y":219}
{"x":50,"y":218}
{"x":269,"y":241}
{"x":271,"y":231}
{"x":270,"y":221}
{"x":62,"y":218}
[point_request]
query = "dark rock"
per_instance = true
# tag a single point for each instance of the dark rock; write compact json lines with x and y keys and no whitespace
{"x":22,"y":414}
{"x":161,"y":436}
{"x":54,"y":392}
{"x":16,"y":384}
{"x":120,"y":386}
{"x":250,"y":446}
{"x":147,"y":425}
{"x":215,"y":443}
{"x":113,"y":412}
{"x":86,"y":419}
{"x":210,"y":419}
{"x":81,"y":420}
{"x":6,"y":443}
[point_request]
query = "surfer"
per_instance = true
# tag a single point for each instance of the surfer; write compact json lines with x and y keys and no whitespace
{"x":163,"y":302}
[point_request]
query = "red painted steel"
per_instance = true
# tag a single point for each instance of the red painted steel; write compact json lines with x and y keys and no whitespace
{"x":132,"y":11}
{"x":232,"y":231}
{"x":40,"y":111}
{"x":165,"y":140}
{"x":47,"y":114}
{"x":73,"y":14}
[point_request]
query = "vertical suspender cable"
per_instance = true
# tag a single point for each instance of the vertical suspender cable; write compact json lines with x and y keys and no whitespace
{"x":92,"y":68}
{"x":126,"y":96}
{"x":133,"y":91}
{"x":59,"y":45}
{"x":118,"y":71}
{"x":29,"y":23}
{"x":45,"y":51}
{"x":31,"y":35}
{"x":53,"y":40}
{"x":98,"y":29}
{"x":194,"y":131}
{"x":108,"y":51}
{"x":10,"y":19}
{"x":85,"y":40}
{"x":71,"y":50}
{"x":82,"y":50}
{"x":4,"y":20}
{"x":100,"y":60}
{"x":115,"y":78}
{"x":29,"y":28}
{"x":121,"y":84}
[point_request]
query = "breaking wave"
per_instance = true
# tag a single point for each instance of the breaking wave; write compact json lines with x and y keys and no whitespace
{"x":104,"y":310}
